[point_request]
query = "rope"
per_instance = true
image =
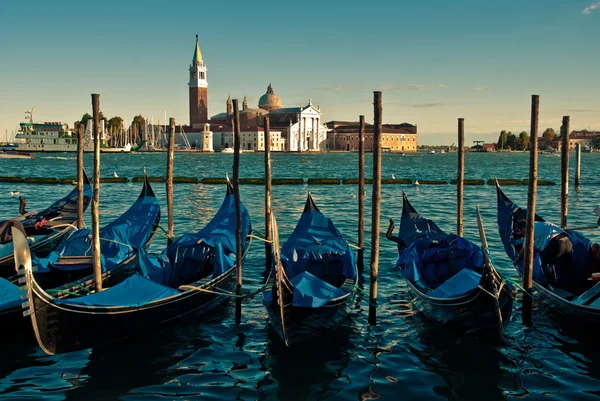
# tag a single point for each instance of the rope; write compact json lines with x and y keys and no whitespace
{"x":221,"y":291}
{"x":64,"y":292}
{"x":260,"y":239}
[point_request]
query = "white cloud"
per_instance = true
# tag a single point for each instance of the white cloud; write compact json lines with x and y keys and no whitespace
{"x":478,"y":87}
{"x":591,"y":7}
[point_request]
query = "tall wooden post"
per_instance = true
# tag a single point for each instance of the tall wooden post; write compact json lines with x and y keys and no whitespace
{"x":460,"y":178}
{"x":564,"y":171}
{"x":268,"y":236}
{"x":80,"y":202}
{"x":361,"y":194}
{"x":96,"y":197}
{"x":238,"y":211}
{"x":531,"y":199}
{"x":578,"y":163}
{"x":376,"y":203}
{"x":170,"y":157}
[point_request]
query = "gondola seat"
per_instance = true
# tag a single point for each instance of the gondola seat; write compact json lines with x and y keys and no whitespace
{"x":10,"y":295}
{"x":459,"y":284}
{"x":328,"y":269}
{"x":438,"y":264}
{"x":311,"y":291}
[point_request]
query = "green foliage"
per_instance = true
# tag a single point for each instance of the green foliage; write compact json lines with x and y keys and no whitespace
{"x":511,"y":140}
{"x":549,"y":134}
{"x":502,"y":141}
{"x":596,"y":142}
{"x":522,"y":142}
{"x":85,"y":119}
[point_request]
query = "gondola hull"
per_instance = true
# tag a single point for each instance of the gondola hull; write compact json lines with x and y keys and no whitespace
{"x":63,"y":328}
{"x":297,"y":325}
{"x":475,"y":313}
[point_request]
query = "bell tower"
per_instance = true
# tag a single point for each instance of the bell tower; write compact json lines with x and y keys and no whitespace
{"x":198,"y":90}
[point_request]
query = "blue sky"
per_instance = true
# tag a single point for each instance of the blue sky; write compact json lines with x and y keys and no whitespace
{"x":434,"y":60}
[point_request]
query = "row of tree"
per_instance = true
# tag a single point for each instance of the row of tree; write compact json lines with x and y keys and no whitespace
{"x":508,"y":140}
{"x":117,"y":132}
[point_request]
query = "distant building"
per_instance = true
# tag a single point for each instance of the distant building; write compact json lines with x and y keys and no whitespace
{"x":343,"y":135}
{"x":584,"y":137}
{"x":489,"y":147}
{"x":299,"y":128}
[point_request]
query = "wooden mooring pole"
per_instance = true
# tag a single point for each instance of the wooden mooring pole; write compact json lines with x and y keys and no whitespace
{"x":238,"y":211}
{"x":268,"y":236}
{"x":80,"y":193}
{"x":96,"y":197}
{"x":531,"y":199}
{"x":361,"y":195}
{"x":376,"y":204}
{"x":460,"y":178}
{"x":578,"y":164}
{"x":564,"y":172}
{"x":169,"y":183}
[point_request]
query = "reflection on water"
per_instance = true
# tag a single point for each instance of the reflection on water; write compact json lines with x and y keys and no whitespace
{"x":403,"y":357}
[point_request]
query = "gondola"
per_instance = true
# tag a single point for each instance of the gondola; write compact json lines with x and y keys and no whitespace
{"x":313,"y":280}
{"x":585,"y":306}
{"x":68,"y":269}
{"x":192,"y":275}
{"x":45,"y":229}
{"x":449,"y":280}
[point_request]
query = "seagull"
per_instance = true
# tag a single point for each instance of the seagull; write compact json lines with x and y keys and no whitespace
{"x":417,"y":183}
{"x":115,"y":175}
{"x":14,"y":193}
{"x":393,"y":176}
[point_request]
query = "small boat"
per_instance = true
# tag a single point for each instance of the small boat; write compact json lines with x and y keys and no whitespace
{"x":71,"y":261}
{"x":550,"y":150}
{"x":585,"y":306}
{"x":44,"y":229}
{"x":11,"y":154}
{"x":192,"y":275}
{"x":449,"y":280}
{"x":227,"y":150}
{"x":313,"y":281}
{"x":432,"y":152}
{"x":124,"y":149}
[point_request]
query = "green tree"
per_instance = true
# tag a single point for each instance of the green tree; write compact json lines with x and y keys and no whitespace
{"x":549,"y":134}
{"x":596,"y":142}
{"x":511,"y":141}
{"x":85,"y":119}
{"x":522,"y":141}
{"x":502,"y":141}
{"x":115,"y":127}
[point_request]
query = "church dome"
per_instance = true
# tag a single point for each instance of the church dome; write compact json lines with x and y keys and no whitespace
{"x":269,"y":101}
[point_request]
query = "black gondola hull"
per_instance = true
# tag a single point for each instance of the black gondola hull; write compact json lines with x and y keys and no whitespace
{"x":300,"y":325}
{"x":475,"y":313}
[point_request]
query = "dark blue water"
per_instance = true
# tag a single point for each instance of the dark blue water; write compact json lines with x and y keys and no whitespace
{"x":403,"y":357}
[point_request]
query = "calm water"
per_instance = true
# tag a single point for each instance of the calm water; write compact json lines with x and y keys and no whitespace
{"x":403,"y":357}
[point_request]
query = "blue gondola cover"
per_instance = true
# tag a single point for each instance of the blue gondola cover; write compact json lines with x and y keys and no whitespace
{"x":133,"y":291}
{"x":10,"y":295}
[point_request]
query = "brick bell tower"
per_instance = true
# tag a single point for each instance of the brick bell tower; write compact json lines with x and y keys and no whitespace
{"x":198,"y":90}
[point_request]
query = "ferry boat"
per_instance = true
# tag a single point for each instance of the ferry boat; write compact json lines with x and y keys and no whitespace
{"x":57,"y":137}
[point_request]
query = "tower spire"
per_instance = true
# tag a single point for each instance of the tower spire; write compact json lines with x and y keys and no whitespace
{"x":197,"y":53}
